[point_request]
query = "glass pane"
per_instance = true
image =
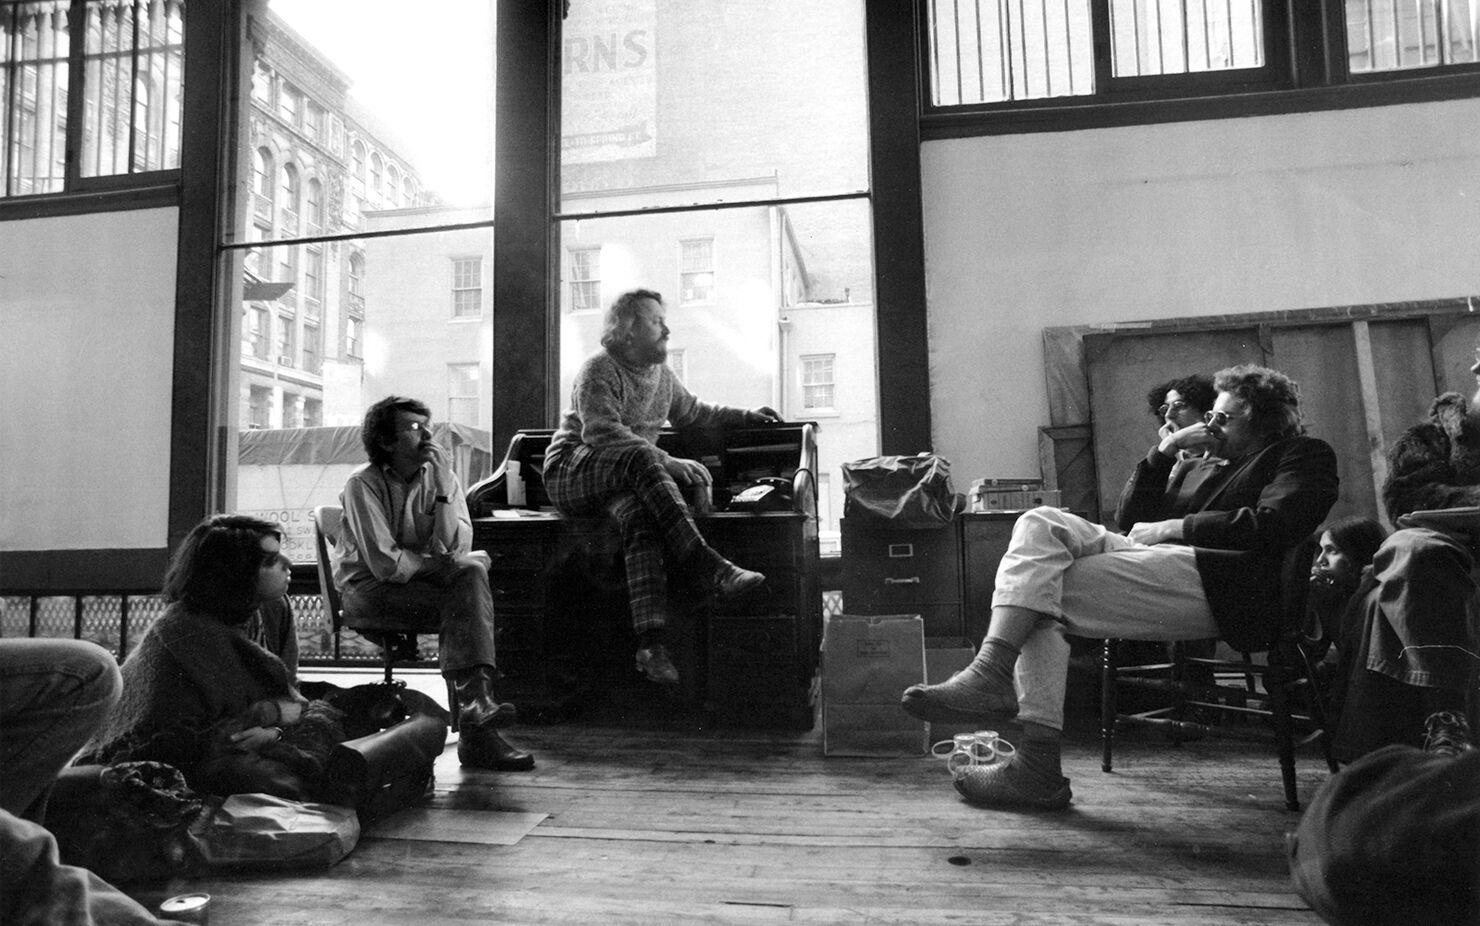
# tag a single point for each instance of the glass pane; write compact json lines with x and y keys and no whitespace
{"x":793,"y":281}
{"x":309,"y":368}
{"x":1389,"y":35}
{"x":705,"y":101}
{"x":34,"y":44}
{"x":330,"y":325}
{"x":990,"y":51}
{"x":409,"y":99}
{"x":133,"y":70}
{"x":1185,"y":36}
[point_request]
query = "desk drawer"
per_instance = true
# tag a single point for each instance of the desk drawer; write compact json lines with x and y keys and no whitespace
{"x":516,"y":588}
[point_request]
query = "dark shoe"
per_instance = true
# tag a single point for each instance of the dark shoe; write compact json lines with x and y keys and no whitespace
{"x":476,"y":704}
{"x":482,"y":747}
{"x":1447,"y":733}
{"x":1010,"y":784}
{"x":654,"y":663}
{"x":962,"y":698}
{"x":733,"y":581}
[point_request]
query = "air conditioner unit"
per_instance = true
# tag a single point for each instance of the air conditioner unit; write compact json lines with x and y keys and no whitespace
{"x":285,"y":360}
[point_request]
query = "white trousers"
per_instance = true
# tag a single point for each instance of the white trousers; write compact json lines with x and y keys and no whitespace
{"x":1092,"y":583}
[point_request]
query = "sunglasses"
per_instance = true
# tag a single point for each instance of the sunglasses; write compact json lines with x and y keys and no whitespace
{"x":1220,"y":419}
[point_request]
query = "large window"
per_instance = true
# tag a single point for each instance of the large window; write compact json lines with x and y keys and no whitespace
{"x":738,"y":189}
{"x":992,"y":55}
{"x":112,"y":98}
{"x":357,"y":306}
{"x":819,"y":385}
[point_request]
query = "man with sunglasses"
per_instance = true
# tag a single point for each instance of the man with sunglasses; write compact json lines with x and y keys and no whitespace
{"x":406,"y":545}
{"x":1204,"y":561}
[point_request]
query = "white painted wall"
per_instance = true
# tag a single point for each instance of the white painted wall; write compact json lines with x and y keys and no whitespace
{"x":1244,"y":215}
{"x":87,"y":309}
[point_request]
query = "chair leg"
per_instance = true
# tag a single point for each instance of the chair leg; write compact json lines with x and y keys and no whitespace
{"x":1108,"y":653}
{"x":452,"y":704}
{"x":1277,"y":682}
{"x":388,"y":659}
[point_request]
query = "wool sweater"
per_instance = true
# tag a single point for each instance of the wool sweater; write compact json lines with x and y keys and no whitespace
{"x":617,"y":404}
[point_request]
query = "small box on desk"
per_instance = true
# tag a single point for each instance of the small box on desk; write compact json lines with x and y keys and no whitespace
{"x":944,"y":657}
{"x":867,"y":663}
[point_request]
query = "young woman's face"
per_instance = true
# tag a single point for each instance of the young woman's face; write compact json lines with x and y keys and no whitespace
{"x":272,"y":573}
{"x":1333,"y":562}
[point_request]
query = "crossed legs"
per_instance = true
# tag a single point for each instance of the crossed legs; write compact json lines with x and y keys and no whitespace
{"x":1061,"y":575}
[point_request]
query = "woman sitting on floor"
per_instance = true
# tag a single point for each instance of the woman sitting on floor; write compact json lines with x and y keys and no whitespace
{"x":200,"y":695}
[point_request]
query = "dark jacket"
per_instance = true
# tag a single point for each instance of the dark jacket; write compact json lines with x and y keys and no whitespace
{"x":1243,"y":517}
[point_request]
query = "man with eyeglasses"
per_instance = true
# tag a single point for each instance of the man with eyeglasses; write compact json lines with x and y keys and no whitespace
{"x":1209,"y":567}
{"x":406,"y":544}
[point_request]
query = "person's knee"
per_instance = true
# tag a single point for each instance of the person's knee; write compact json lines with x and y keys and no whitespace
{"x":92,"y":670}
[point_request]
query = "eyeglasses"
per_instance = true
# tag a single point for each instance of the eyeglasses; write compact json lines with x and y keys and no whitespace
{"x":415,"y":427}
{"x":1176,"y":406}
{"x":1220,"y":419}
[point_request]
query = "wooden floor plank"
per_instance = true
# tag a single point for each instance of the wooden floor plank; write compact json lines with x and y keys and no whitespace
{"x":651,"y":826}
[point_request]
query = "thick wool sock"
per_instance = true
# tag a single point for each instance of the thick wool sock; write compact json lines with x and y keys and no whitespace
{"x":995,"y":661}
{"x":1040,"y":751}
{"x":984,"y":687}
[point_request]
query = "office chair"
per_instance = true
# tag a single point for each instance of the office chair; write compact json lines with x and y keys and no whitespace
{"x":327,"y":523}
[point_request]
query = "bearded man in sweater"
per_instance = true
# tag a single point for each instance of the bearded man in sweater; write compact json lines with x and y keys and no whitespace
{"x":604,"y":459}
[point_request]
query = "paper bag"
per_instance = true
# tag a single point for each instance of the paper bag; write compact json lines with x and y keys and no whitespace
{"x":261,"y":832}
{"x":867,"y":663}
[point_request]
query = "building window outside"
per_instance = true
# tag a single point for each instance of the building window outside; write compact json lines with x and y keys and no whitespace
{"x":262,"y":175}
{"x":313,"y":122}
{"x":291,"y":187}
{"x":313,"y":280}
{"x":285,"y":339}
{"x":818,"y":385}
{"x":375,"y":170}
{"x":357,"y":161}
{"x":585,"y":279}
{"x":313,"y":361}
{"x":292,"y":410}
{"x":467,"y":287}
{"x":696,"y":271}
{"x":313,"y":413}
{"x":131,"y":73}
{"x":255,"y":333}
{"x":288,"y":273}
{"x":1382,"y":35}
{"x":261,"y":85}
{"x":354,"y":333}
{"x":259,"y":407}
{"x":290,"y":104}
{"x":392,"y":185}
{"x":314,"y":205}
{"x":678,"y":362}
{"x":463,"y":393}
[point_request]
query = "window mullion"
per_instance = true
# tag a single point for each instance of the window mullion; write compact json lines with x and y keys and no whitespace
{"x":76,"y":90}
{"x":1100,"y":29}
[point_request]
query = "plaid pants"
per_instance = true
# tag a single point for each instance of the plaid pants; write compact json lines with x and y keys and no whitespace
{"x":631,"y":485}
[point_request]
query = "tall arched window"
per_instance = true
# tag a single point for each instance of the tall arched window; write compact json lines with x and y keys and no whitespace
{"x":262,"y":184}
{"x":375,"y":169}
{"x":289,"y":204}
{"x":408,"y":191}
{"x":314,"y":205}
{"x":392,"y":185}
{"x":357,"y":161}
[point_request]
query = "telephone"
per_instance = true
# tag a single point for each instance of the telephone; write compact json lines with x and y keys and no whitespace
{"x":770,"y":493}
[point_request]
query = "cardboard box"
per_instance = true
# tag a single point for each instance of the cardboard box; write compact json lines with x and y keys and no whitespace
{"x":944,"y":657}
{"x":867,"y":663}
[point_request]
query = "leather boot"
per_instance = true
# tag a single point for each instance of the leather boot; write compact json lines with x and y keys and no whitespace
{"x":482,"y":747}
{"x":476,"y":704}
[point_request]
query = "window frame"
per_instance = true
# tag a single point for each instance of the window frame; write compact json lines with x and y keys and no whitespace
{"x":832,"y":383}
{"x":713,"y":296}
{"x":575,"y":281}
{"x":475,"y":396}
{"x":454,"y":262}
{"x":80,"y":193}
{"x":1305,"y":45}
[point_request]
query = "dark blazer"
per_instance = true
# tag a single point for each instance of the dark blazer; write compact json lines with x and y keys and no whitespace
{"x":1243,"y":517}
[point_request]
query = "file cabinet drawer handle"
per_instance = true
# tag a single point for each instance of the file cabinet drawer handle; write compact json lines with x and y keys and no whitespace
{"x":912,"y":580}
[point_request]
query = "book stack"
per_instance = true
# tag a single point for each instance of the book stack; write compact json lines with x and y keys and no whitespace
{"x":1007,"y":494}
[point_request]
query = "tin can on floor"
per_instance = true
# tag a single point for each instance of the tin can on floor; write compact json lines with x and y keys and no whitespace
{"x":187,"y":908}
